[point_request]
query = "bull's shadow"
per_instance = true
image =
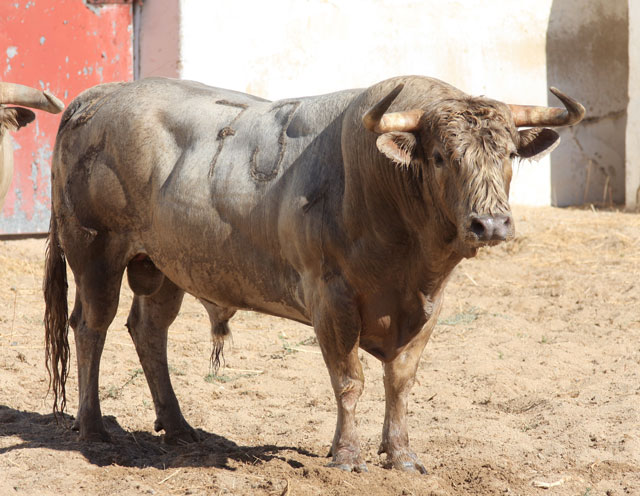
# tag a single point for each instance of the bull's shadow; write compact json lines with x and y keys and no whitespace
{"x":133,"y":449}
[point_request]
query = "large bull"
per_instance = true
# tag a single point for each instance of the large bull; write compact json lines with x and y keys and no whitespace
{"x":13,"y":118}
{"x":346,"y":211}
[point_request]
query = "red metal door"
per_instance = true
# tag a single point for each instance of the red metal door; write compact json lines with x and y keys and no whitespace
{"x":64,"y":46}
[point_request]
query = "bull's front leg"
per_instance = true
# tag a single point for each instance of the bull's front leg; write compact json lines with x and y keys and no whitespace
{"x":399,"y":377}
{"x":337,"y":325}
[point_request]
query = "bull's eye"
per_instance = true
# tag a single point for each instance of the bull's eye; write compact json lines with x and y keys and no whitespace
{"x":513,"y":155}
{"x":437,"y":159}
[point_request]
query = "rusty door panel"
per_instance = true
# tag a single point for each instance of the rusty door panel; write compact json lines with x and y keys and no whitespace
{"x":103,"y":2}
{"x":64,"y":46}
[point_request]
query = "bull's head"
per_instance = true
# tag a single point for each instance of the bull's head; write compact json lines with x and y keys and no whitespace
{"x":13,"y":118}
{"x":463,"y":149}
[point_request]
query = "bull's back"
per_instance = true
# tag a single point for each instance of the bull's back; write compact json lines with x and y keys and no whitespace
{"x":198,"y":177}
{"x":240,"y":196}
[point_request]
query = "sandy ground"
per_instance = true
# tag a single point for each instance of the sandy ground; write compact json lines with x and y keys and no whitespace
{"x":531,"y":378}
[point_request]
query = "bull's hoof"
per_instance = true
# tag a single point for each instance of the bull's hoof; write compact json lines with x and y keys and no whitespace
{"x":407,"y":461}
{"x":91,"y":434}
{"x":182,"y":437}
{"x":349,"y":467}
{"x":348,"y":462}
{"x":416,"y":466}
{"x":184,"y":434}
{"x":95,"y":437}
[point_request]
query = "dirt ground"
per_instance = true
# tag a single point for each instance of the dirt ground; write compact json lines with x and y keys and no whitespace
{"x":532,"y":378}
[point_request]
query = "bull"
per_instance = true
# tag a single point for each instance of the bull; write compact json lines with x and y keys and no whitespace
{"x":13,"y":118}
{"x":346,"y":212}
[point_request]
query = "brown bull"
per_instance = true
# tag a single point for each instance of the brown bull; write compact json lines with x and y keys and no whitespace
{"x":346,"y":211}
{"x":13,"y":118}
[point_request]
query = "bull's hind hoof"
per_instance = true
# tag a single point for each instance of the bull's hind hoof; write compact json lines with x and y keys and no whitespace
{"x":177,"y":436}
{"x":93,"y":435}
{"x":181,"y":438}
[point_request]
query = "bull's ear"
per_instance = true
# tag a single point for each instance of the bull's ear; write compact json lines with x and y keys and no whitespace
{"x":13,"y":118}
{"x":398,"y":146}
{"x":24,"y":116}
{"x":536,"y":142}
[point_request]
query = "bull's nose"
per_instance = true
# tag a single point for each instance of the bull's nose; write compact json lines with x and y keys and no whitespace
{"x":492,"y":227}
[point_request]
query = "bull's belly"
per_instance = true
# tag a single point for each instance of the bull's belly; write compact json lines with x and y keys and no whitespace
{"x":242,"y":281}
{"x":205,"y":235}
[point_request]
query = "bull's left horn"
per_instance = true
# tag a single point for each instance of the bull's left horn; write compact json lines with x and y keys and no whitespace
{"x":530,"y":116}
{"x":18,"y":94}
{"x":377,"y":121}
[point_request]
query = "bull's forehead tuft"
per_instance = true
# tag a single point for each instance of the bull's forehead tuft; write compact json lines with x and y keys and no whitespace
{"x":473,"y":126}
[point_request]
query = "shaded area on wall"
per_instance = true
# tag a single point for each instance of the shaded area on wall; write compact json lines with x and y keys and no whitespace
{"x":632,"y":145}
{"x":64,"y":47}
{"x":159,"y":39}
{"x":587,"y":57}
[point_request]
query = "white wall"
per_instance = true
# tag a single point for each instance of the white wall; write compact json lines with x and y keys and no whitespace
{"x":289,"y":48}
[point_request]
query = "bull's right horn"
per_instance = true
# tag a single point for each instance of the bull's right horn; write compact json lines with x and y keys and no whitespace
{"x":18,"y":94}
{"x":375,"y":120}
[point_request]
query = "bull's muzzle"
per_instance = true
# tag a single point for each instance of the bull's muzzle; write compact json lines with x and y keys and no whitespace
{"x":491,"y":228}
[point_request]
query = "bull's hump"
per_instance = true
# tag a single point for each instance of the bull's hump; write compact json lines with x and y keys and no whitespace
{"x":269,"y":136}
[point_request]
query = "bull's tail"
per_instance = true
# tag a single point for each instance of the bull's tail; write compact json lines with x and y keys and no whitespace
{"x":218,"y":334}
{"x":56,"y":318}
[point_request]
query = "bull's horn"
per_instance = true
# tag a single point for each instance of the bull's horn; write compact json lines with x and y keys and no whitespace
{"x":377,"y":121}
{"x":18,"y":94}
{"x":530,"y":116}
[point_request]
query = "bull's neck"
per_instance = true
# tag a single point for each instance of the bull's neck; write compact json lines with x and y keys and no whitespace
{"x":400,"y":228}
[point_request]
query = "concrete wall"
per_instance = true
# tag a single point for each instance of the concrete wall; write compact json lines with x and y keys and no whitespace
{"x":587,"y":53}
{"x":288,"y":48}
{"x":632,"y":161}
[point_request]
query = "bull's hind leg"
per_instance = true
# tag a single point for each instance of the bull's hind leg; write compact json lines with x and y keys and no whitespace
{"x":98,"y":276}
{"x":148,"y":323}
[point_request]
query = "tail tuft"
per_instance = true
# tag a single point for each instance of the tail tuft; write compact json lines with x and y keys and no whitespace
{"x":56,"y":319}
{"x":218,"y":334}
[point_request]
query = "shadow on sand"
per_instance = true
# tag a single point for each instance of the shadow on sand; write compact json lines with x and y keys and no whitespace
{"x":133,"y":449}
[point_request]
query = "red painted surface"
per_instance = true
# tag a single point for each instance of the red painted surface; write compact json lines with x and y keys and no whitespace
{"x":63,"y":46}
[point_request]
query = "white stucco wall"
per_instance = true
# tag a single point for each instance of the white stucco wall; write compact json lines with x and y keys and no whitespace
{"x":289,"y":48}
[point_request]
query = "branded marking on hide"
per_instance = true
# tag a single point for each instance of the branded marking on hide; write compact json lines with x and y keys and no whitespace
{"x":226,"y":131}
{"x":263,"y":175}
{"x":81,"y":115}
